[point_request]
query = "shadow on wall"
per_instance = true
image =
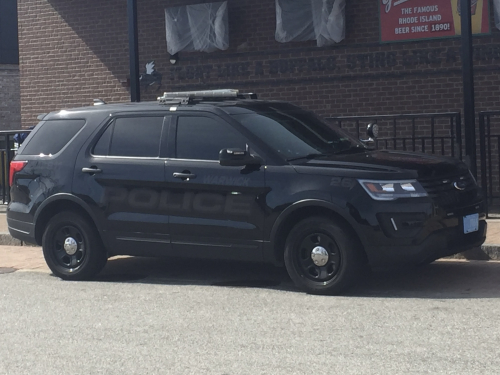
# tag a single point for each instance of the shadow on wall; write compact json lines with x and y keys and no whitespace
{"x":98,"y":50}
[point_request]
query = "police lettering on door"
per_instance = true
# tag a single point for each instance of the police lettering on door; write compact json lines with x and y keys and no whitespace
{"x":119,"y":199}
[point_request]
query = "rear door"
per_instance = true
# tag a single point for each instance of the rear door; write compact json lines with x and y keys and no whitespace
{"x":121,"y":175}
{"x":215,"y":211}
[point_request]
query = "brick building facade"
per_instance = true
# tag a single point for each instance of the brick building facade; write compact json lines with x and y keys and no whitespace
{"x":72,"y":51}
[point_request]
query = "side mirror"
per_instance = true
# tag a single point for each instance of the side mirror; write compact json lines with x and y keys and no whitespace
{"x":372,"y":133}
{"x":372,"y":130}
{"x":235,"y":157}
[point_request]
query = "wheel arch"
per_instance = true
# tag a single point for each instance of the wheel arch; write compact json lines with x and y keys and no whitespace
{"x":59,"y":203}
{"x":299,"y":211}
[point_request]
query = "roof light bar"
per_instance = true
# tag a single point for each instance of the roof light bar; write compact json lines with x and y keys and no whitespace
{"x":224,"y":93}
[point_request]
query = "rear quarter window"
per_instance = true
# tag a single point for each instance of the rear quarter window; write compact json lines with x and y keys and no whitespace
{"x":52,"y":136}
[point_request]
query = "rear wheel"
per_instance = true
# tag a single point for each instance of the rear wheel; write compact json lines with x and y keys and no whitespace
{"x":72,"y":247}
{"x":322,"y":257}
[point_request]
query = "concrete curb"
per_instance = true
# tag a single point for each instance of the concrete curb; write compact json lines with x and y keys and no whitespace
{"x":7,"y":239}
{"x":493,"y":251}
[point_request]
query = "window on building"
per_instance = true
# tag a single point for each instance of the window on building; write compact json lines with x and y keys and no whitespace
{"x":301,"y":20}
{"x":496,"y":9}
{"x":202,"y":138}
{"x":199,"y":27}
{"x":131,"y":136}
{"x":9,"y":48}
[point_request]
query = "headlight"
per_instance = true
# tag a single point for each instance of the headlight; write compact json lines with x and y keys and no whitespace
{"x":391,"y":190}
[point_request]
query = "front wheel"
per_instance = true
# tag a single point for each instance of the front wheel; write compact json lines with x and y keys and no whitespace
{"x":72,"y":247}
{"x":322,"y":257}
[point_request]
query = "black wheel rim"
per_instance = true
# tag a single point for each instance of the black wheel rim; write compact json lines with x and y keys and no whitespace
{"x":306,"y":265}
{"x":71,"y":256}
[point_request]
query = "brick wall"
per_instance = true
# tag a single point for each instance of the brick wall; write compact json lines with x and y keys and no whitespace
{"x":73,"y":51}
{"x":10,"y":105}
{"x":355,"y":77}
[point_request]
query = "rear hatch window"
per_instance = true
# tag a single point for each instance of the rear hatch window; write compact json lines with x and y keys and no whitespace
{"x":51,"y":137}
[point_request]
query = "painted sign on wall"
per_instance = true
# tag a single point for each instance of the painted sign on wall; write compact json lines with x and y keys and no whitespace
{"x":402,"y":20}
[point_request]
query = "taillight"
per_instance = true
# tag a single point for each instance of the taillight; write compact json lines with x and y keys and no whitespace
{"x":15,"y":166}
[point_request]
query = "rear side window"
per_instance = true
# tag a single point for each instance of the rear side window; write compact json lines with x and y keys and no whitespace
{"x":131,"y":136}
{"x":52,"y":136}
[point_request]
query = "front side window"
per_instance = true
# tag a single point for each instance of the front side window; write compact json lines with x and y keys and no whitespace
{"x":295,"y":133}
{"x":131,"y":137}
{"x":52,"y":136}
{"x":202,"y":138}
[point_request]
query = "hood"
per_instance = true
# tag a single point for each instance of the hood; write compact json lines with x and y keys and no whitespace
{"x":422,"y":165}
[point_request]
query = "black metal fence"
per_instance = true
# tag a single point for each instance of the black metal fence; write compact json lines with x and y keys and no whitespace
{"x":8,"y":148}
{"x":489,"y":154}
{"x":436,"y":133}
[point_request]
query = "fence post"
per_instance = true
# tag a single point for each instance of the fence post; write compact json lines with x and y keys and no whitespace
{"x":7,"y":164}
{"x":482,"y":146}
{"x":458,"y":124}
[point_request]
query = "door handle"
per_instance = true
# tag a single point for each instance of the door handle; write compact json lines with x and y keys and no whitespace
{"x":184,"y":176}
{"x":91,"y":170}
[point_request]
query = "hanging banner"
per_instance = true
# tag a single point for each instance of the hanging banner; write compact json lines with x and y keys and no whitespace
{"x":402,"y":20}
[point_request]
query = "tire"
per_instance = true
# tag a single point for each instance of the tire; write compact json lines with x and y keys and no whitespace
{"x":84,"y":255}
{"x":338,"y":254}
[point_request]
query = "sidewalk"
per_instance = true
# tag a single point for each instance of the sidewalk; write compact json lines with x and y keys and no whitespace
{"x":14,"y":256}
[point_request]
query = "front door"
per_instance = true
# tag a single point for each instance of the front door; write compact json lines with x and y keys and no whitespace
{"x":215,"y":211}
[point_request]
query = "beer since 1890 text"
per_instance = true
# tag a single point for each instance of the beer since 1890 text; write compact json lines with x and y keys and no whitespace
{"x":414,"y":19}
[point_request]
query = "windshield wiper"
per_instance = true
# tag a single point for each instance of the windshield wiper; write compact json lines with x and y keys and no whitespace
{"x":309,"y":156}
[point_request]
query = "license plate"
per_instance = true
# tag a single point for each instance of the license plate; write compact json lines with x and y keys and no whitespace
{"x":471,"y":223}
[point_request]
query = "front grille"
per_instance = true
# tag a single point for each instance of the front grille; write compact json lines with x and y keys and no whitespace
{"x":443,"y":192}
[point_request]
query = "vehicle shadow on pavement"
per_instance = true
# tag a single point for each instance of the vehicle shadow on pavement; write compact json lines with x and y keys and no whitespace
{"x":195,"y":272}
{"x":442,"y":279}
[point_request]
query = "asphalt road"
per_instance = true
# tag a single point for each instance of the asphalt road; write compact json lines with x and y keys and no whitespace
{"x":228,"y":318}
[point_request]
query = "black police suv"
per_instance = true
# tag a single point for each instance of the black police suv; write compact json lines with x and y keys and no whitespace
{"x":217,"y":174}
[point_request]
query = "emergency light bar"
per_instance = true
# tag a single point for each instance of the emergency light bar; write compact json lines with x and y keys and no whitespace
{"x":224,"y":93}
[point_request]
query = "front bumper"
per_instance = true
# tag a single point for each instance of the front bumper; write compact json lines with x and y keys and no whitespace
{"x":441,"y":243}
{"x":418,"y":232}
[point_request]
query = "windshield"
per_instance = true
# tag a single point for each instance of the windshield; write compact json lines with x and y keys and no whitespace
{"x":297,"y":134}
